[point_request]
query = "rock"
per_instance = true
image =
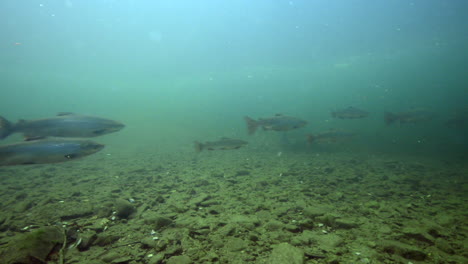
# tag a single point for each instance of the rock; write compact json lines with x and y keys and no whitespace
{"x":195,"y":202}
{"x":417,"y":233}
{"x":285,"y":253}
{"x":122,"y":260}
{"x":443,"y":245}
{"x":99,"y":224}
{"x":148,"y":242}
{"x":404,"y":250}
{"x":328,"y":242}
{"x":179,"y":260}
{"x":372,"y":204}
{"x":274,"y":225}
{"x":105,"y":239}
{"x":304,"y":239}
{"x":247,"y":222}
{"x":235,"y":244}
{"x":33,"y":247}
{"x":156,"y":259}
{"x":313,"y":212}
{"x":327,"y":219}
{"x":336,"y":196}
{"x":124,"y":209}
{"x":306,"y":224}
{"x":103,"y":211}
{"x":384,"y":229}
{"x":242,"y":173}
{"x":109,"y":257}
{"x":345,"y":224}
{"x":87,"y":239}
{"x":72,"y":210}
{"x":155,"y":220}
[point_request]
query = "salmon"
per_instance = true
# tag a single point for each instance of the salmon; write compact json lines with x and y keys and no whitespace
{"x":47,"y":151}
{"x":277,"y":123}
{"x":63,"y":125}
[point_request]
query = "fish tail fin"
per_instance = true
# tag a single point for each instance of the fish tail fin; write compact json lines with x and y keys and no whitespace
{"x":390,"y":118}
{"x":310,"y":138}
{"x":252,"y":125}
{"x":5,"y":127}
{"x":198,"y":146}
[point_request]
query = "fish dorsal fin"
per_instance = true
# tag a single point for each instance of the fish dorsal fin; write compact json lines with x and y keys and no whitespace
{"x":65,"y":113}
{"x":278,"y":114}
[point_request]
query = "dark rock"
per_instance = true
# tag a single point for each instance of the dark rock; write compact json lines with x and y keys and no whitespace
{"x":124,"y":208}
{"x":87,"y":239}
{"x":33,"y":247}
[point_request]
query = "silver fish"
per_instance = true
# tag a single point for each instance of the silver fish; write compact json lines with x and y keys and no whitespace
{"x":277,"y":123}
{"x":350,"y":113}
{"x":63,"y":125}
{"x":221,"y":144}
{"x":409,"y":117}
{"x":331,"y":136}
{"x":47,"y":151}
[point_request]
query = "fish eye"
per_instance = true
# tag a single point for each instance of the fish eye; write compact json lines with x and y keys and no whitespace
{"x":70,"y":156}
